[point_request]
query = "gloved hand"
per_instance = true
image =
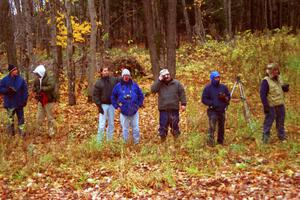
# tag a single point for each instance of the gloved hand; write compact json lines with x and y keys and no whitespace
{"x":285,"y":87}
{"x":24,"y":104}
{"x":266,"y":109}
{"x":222,"y":96}
{"x":100,"y":110}
{"x":11,"y":90}
{"x":38,"y":97}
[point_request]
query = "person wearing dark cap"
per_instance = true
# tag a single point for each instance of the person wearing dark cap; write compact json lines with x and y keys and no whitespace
{"x":14,"y":89}
{"x":216,"y":96}
{"x":272,"y":91}
{"x":171,"y":99}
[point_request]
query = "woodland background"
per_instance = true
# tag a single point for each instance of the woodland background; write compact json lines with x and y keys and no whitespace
{"x":189,"y":37}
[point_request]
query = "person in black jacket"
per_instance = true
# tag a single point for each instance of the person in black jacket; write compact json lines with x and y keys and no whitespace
{"x":171,"y":97}
{"x":216,"y":96}
{"x":102,"y":98}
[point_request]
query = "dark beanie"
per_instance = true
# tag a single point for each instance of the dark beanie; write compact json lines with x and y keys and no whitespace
{"x":11,"y":67}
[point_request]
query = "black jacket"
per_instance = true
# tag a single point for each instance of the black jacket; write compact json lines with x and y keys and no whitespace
{"x":103,"y":90}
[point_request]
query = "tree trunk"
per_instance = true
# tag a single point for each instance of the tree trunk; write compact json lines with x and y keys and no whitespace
{"x":150,"y":30}
{"x":29,"y":36}
{"x":100,"y":42}
{"x":171,"y":37}
{"x":265,"y":4}
{"x":7,"y":35}
{"x":199,"y":28}
{"x":280,"y":14}
{"x":158,"y":10}
{"x":70,"y":62}
{"x":92,"y":54}
{"x":54,"y":50}
{"x":107,"y":42}
{"x":229,"y":19}
{"x":20,"y":37}
{"x":187,"y":21}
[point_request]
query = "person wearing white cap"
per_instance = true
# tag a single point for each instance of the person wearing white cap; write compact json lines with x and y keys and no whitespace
{"x":45,"y":93}
{"x":171,"y":98}
{"x":127,"y":97}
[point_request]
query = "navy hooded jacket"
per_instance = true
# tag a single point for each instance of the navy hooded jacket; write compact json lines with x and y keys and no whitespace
{"x":19,"y":98}
{"x":210,"y":95}
{"x":128,"y":97}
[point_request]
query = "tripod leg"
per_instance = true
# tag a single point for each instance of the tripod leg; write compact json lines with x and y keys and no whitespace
{"x":234,"y":86}
{"x":245,"y":105}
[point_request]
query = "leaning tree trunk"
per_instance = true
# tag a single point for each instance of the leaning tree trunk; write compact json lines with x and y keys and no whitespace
{"x":7,"y":32}
{"x":92,"y":54}
{"x":199,"y":27}
{"x":150,"y":30}
{"x":70,"y":62}
{"x":171,"y":37}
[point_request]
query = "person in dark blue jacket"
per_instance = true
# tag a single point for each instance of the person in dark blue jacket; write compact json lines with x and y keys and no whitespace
{"x":14,"y":89}
{"x":127,"y":98}
{"x":216,"y":96}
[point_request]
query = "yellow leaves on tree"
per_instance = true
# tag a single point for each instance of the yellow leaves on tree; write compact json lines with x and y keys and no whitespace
{"x":80,"y":30}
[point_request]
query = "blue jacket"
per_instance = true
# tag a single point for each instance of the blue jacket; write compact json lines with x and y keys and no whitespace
{"x":210,"y":97}
{"x":127,"y":96}
{"x":18,"y":99}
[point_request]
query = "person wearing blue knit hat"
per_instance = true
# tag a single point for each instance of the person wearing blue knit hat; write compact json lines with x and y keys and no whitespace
{"x":216,"y":96}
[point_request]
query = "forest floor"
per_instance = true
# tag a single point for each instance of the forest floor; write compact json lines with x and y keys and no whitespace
{"x":72,"y":165}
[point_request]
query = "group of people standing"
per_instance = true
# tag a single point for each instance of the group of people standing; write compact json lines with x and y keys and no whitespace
{"x":15,"y":91}
{"x":124,"y":95}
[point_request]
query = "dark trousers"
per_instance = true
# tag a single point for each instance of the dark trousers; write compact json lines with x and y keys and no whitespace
{"x":215,"y":118}
{"x":166,"y":119}
{"x":20,"y":115}
{"x":276,"y":113}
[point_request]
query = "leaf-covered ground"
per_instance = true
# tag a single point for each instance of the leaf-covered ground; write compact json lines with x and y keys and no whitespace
{"x":71,"y":165}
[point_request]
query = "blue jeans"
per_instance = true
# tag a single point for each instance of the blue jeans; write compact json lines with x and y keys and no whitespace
{"x":166,"y":119}
{"x":133,"y":121}
{"x":276,"y":113}
{"x":109,"y":114}
{"x":215,"y":118}
{"x":20,"y":115}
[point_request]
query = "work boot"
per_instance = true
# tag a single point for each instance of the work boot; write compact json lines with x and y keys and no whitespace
{"x":265,"y":139}
{"x":51,"y":132}
{"x":21,"y":130}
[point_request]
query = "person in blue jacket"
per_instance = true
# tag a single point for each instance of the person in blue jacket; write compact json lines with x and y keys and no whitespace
{"x":127,"y":98}
{"x":216,"y":96}
{"x":14,"y":89}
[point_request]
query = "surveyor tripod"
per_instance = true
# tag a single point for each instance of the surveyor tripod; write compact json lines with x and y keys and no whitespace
{"x":246,"y":110}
